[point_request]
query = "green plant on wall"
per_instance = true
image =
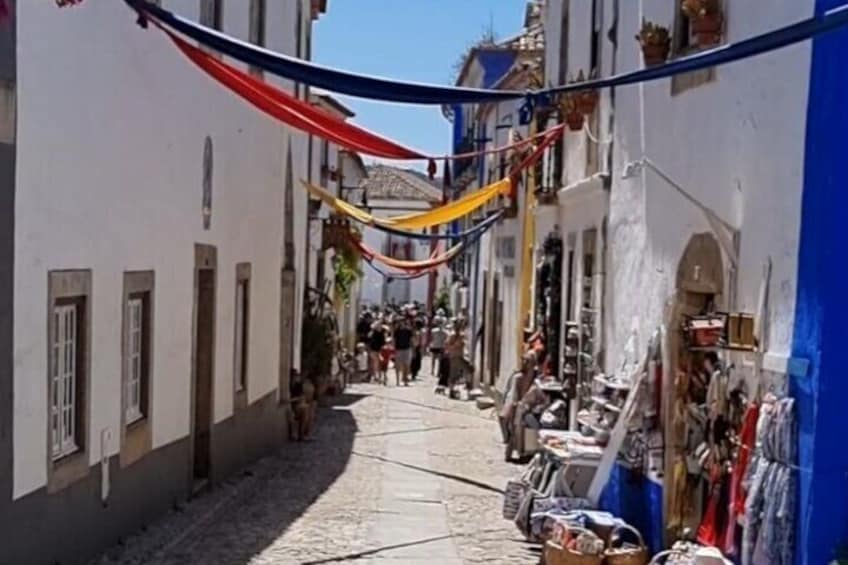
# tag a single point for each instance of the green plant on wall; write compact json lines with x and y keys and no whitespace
{"x":347,"y":271}
{"x":318,"y":343}
{"x":443,"y":298}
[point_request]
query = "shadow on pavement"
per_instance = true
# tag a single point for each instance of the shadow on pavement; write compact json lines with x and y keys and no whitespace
{"x":248,"y":512}
{"x":450,"y":476}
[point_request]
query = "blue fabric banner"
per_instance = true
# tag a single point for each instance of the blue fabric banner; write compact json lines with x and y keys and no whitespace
{"x":377,"y":88}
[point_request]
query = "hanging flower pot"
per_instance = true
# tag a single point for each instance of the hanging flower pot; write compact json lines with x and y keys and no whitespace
{"x":656,"y":43}
{"x":574,"y":119}
{"x":706,"y":20}
{"x":708,"y":29}
{"x":587,"y":101}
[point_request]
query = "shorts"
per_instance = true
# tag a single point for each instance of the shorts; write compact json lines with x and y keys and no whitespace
{"x":403,"y":357}
{"x":437,"y":351}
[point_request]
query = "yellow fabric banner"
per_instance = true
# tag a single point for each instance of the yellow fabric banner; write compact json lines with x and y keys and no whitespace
{"x":438,"y":216}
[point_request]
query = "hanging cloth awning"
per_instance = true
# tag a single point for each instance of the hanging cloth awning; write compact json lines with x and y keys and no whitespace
{"x":308,"y":118}
{"x":435,"y":217}
{"x":445,"y":213}
{"x":316,"y":75}
{"x":376,"y":88}
{"x":471,"y":232}
{"x":404,"y":264}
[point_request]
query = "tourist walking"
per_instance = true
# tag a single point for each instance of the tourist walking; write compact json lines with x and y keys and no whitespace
{"x":454,"y":350}
{"x":376,"y":342}
{"x":403,"y":348}
{"x":437,"y":342}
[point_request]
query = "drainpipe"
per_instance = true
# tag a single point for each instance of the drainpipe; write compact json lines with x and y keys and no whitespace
{"x":475,"y":379}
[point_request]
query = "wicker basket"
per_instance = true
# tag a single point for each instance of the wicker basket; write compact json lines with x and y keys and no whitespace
{"x":631,"y":556}
{"x":555,"y":554}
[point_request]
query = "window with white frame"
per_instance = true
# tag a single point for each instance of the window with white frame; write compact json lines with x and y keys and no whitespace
{"x":67,"y":354}
{"x":256,"y":31}
{"x":137,"y":346}
{"x":135,"y":358}
{"x":242,"y":323}
{"x":211,"y":13}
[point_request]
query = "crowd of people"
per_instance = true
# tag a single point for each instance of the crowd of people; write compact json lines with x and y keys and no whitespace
{"x":401,"y":336}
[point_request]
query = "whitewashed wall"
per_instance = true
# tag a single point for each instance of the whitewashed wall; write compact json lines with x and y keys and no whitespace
{"x":111,"y":125}
{"x":373,"y":282}
{"x":736,"y":144}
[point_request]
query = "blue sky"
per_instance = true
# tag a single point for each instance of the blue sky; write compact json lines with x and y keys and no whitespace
{"x":416,"y":40}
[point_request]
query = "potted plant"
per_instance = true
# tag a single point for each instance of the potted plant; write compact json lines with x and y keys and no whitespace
{"x":656,"y":43}
{"x":706,"y":20}
{"x":571,"y":114}
{"x":586,"y":100}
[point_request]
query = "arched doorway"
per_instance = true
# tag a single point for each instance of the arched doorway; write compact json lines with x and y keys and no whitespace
{"x":699,"y":289}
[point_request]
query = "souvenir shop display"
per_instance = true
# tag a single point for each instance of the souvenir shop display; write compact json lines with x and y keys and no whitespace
{"x":570,"y":357}
{"x":549,"y":299}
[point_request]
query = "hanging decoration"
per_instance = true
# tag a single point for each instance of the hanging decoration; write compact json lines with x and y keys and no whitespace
{"x":376,"y":88}
{"x":420,"y":220}
{"x":308,"y":118}
{"x":334,"y":232}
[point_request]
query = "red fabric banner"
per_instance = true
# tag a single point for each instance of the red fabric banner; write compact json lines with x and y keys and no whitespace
{"x":310,"y":119}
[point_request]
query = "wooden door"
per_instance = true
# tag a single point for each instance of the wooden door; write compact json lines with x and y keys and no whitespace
{"x":204,"y":354}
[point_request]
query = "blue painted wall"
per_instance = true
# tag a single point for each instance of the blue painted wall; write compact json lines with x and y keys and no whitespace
{"x":822,"y":308}
{"x":638,"y":501}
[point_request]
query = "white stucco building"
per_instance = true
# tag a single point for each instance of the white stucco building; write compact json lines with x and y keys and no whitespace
{"x":681,"y":191}
{"x":489,"y":272}
{"x":152,"y":265}
{"x":391,"y":191}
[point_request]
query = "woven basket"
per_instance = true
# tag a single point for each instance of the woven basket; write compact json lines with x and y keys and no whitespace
{"x":555,"y":554}
{"x":635,"y":556}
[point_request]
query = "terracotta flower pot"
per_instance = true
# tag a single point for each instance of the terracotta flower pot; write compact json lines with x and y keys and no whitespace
{"x":574,"y":119}
{"x":655,"y":54}
{"x":707,"y":29}
{"x":587,"y":102}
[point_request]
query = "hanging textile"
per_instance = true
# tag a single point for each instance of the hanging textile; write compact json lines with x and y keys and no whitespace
{"x":316,"y":75}
{"x":769,"y":534}
{"x":405,"y":264}
{"x":420,"y":220}
{"x":310,"y":119}
{"x":434,"y":237}
{"x":376,"y":88}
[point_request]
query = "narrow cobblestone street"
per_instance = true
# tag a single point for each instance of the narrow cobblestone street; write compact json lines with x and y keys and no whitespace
{"x":395,"y":475}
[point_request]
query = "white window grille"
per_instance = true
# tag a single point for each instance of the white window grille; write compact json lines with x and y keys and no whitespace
{"x":64,"y":381}
{"x":211,"y":13}
{"x":240,"y":355}
{"x":135,"y":359}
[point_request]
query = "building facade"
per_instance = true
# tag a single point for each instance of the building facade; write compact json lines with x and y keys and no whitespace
{"x":152,"y":272}
{"x":488,"y":276}
{"x":711,"y":189}
{"x":391,"y":191}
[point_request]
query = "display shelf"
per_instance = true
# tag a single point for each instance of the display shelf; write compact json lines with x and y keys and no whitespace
{"x":600,"y":400}
{"x":612,"y":407}
{"x":611,"y":384}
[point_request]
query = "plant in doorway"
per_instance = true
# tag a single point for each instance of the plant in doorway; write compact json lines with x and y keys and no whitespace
{"x":346,"y":263}
{"x":318,"y":342}
{"x":706,"y":20}
{"x":655,"y":41}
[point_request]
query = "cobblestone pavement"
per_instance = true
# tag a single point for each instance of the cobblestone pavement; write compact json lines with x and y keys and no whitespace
{"x":394,"y":475}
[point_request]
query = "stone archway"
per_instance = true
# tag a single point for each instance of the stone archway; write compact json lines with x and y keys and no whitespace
{"x":699,"y":287}
{"x":700,"y":269}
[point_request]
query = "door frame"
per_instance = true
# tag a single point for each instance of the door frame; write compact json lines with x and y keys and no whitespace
{"x":205,"y":258}
{"x":284,"y":380}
